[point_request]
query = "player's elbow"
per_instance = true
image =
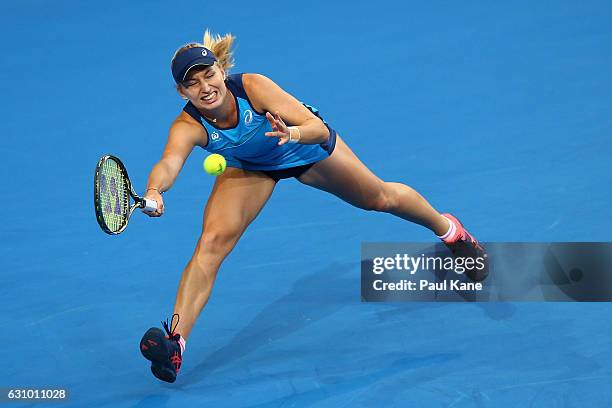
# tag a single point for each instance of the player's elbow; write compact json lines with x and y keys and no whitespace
{"x":323,"y":131}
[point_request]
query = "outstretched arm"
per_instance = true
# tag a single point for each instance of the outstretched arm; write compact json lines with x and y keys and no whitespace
{"x":282,"y":108}
{"x":182,"y":138}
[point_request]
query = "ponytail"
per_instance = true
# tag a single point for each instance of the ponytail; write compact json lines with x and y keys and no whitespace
{"x":221,"y":46}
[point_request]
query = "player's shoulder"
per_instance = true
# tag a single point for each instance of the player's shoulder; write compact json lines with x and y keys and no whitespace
{"x":186,"y":127}
{"x":259,"y":89}
{"x":254,"y":81}
{"x":184,"y":122}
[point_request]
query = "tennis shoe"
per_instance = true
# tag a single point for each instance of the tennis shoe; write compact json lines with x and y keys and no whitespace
{"x":163,"y":350}
{"x":464,"y":245}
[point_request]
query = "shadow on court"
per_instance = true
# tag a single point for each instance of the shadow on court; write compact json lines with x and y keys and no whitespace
{"x":242,"y":362}
{"x":283,"y":317}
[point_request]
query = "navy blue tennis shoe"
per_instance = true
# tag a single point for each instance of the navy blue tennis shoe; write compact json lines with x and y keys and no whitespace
{"x":163,"y":350}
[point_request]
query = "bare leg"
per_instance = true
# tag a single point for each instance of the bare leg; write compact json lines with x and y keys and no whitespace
{"x":345,"y":176}
{"x":237,"y":197}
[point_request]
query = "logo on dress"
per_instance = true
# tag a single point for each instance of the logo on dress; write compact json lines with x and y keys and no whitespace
{"x":214,"y":136}
{"x":248,"y":117}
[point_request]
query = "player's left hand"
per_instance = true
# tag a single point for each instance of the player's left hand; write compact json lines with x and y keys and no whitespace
{"x":279,"y":128}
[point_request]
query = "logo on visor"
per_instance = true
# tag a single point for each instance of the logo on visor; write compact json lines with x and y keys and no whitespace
{"x":204,"y":53}
{"x":248,"y":117}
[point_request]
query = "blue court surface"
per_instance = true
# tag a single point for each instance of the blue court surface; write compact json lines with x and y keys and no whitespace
{"x":497,"y":111}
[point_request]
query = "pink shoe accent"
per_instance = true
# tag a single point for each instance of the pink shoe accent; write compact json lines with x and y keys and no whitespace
{"x":454,"y":234}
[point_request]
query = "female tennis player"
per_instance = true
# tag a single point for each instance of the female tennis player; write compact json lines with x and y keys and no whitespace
{"x":266,"y":135}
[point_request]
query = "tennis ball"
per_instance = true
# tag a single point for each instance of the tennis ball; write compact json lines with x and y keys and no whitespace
{"x":215,"y":164}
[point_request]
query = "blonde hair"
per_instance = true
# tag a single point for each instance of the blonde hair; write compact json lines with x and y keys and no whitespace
{"x":221,"y":46}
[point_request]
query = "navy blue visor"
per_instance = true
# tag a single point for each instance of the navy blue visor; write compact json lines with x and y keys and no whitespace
{"x":190,"y":58}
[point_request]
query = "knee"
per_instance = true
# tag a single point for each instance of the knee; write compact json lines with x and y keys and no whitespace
{"x":383,"y":201}
{"x":217,"y":242}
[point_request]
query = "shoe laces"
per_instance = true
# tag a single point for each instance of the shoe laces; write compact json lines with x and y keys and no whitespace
{"x":169,"y":328}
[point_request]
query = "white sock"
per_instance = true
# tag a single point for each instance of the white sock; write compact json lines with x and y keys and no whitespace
{"x":452,"y":228}
{"x":181,"y":343}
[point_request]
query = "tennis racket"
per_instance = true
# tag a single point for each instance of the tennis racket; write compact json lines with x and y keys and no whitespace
{"x":112,"y":192}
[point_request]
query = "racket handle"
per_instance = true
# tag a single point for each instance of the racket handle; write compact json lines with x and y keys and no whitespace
{"x":149,"y":205}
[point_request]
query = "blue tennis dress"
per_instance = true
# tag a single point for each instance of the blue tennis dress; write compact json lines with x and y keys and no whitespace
{"x":245,"y":145}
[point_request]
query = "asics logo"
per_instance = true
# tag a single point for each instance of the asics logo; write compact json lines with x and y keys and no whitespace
{"x":204,"y":53}
{"x":248,"y":117}
{"x":214,"y":136}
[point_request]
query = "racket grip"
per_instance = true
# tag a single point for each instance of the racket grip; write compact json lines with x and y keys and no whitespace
{"x":149,"y":205}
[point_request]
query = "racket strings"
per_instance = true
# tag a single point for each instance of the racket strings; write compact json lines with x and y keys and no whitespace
{"x":114,"y":195}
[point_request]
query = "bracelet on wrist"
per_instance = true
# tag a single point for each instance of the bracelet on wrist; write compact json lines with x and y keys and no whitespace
{"x":299,"y":134}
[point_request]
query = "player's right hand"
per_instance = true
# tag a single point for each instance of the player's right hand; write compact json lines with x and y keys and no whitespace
{"x":155,"y":195}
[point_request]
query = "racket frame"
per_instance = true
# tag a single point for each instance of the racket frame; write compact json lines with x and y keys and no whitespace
{"x":139,"y":202}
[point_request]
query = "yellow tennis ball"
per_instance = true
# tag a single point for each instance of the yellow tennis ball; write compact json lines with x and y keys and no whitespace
{"x":215,"y":164}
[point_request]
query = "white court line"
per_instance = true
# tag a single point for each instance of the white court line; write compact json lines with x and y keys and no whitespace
{"x":51,"y":316}
{"x":304,"y":225}
{"x":272,"y":264}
